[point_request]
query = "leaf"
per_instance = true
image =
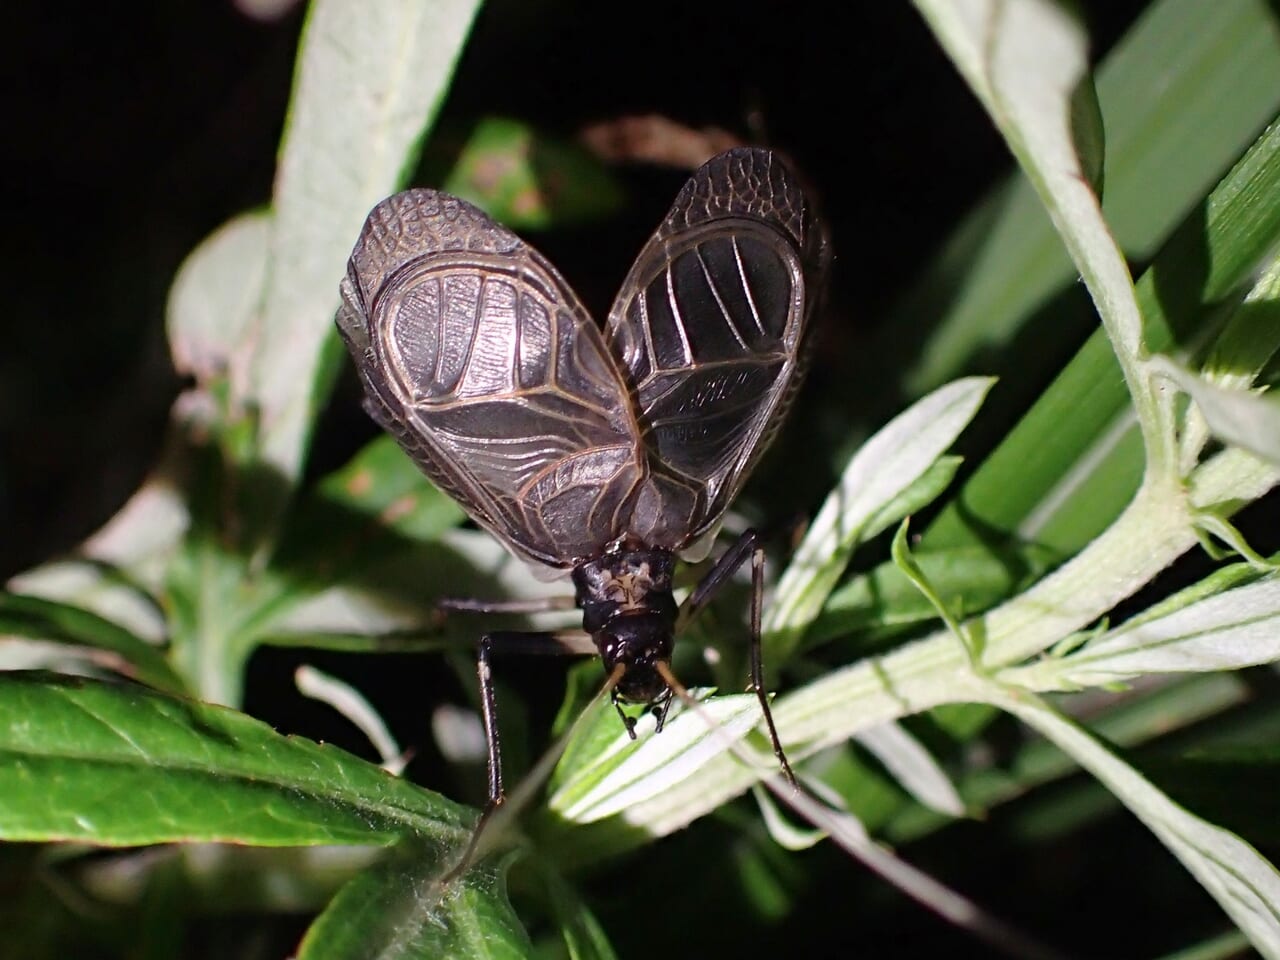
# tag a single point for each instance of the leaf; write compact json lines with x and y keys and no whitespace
{"x":39,"y":619}
{"x":122,"y":567}
{"x":369,"y":81}
{"x":880,"y":473}
{"x":387,"y":588}
{"x":970,"y":579}
{"x":121,"y":766}
{"x":1025,"y":60}
{"x":353,"y":705}
{"x":583,"y":936}
{"x":1073,"y":461}
{"x":1178,"y":84}
{"x":1241,"y":417}
{"x":99,"y":589}
{"x":527,"y":180}
{"x":381,"y":481}
{"x":215,"y":297}
{"x":913,"y":767}
{"x":923,"y":491}
{"x":398,"y":910}
{"x":1244,"y":883}
{"x":625,"y":772}
{"x":1234,"y":629}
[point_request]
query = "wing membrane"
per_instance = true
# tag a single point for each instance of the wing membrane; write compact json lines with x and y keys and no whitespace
{"x":479,"y":359}
{"x":711,"y":327}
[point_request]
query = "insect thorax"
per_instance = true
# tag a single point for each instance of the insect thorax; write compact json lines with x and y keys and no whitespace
{"x":628,"y":609}
{"x":625,"y":583}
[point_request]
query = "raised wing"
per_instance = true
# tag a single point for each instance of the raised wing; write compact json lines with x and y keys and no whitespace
{"x":711,"y":326}
{"x":479,"y":359}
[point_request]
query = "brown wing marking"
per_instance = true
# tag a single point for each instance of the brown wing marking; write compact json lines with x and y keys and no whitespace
{"x":480,"y":360}
{"x":711,"y":325}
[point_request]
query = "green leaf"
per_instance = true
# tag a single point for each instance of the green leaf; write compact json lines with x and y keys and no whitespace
{"x":1071,"y":464}
{"x":381,"y":481}
{"x":880,"y":473}
{"x":1234,"y":629}
{"x":1243,"y":882}
{"x":39,"y":619}
{"x":1025,"y":61}
{"x":627,"y":773}
{"x":121,"y":569}
{"x":1163,"y":709}
{"x":398,"y":910}
{"x":384,"y":592}
{"x":527,"y":180}
{"x":923,"y":491}
{"x":1178,"y":84}
{"x":214,"y":300}
{"x":970,"y":580}
{"x":583,"y":936}
{"x":369,"y":81}
{"x":913,"y":767}
{"x":120,"y":766}
{"x":1249,"y":420}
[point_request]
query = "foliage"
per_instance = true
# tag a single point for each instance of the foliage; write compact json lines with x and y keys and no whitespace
{"x":1145,"y":446}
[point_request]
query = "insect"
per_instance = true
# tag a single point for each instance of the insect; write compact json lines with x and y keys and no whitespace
{"x":601,"y":453}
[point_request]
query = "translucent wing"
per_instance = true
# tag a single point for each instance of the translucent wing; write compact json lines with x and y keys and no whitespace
{"x":479,"y":359}
{"x":711,"y":327}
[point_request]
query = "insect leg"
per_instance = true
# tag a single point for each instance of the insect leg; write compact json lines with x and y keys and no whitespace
{"x":757,"y":662}
{"x":565,"y":643}
{"x":535,"y":605}
{"x":723,"y":569}
{"x":747,"y":545}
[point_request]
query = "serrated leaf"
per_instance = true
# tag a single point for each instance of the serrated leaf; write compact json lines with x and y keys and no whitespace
{"x":40,"y":619}
{"x":121,"y":766}
{"x":398,"y":910}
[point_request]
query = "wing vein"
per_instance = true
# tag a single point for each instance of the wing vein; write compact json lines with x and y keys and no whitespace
{"x":728,"y":317}
{"x":677,"y":317}
{"x":746,"y":287}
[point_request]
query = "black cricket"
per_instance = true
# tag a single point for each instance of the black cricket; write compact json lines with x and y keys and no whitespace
{"x":604,"y":453}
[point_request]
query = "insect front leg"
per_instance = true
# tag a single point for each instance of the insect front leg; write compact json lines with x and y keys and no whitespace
{"x":534,"y":605}
{"x":747,"y":545}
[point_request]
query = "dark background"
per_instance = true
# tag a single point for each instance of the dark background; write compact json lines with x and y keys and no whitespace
{"x":136,"y":129}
